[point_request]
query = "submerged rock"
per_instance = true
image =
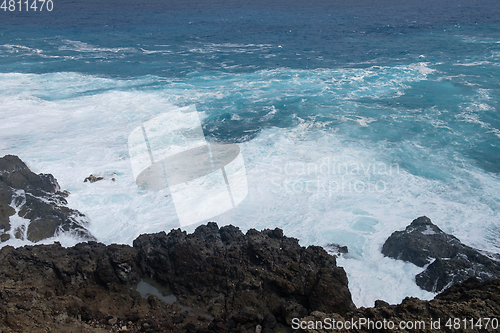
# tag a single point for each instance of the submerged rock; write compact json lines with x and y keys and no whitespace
{"x":37,"y":203}
{"x":336,"y":249}
{"x":448,"y":261}
{"x":93,"y":179}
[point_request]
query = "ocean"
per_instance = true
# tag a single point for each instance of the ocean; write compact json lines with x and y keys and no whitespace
{"x":352,"y":117}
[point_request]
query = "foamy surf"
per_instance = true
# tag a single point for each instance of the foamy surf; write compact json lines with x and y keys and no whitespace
{"x":319,"y":166}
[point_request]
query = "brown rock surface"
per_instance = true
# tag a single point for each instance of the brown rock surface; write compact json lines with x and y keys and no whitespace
{"x":456,"y":306}
{"x":232,"y":282}
{"x":261,"y":278}
{"x":92,"y":179}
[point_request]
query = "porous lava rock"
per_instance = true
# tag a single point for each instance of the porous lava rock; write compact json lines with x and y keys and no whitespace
{"x":468,"y":306}
{"x":230,"y":281}
{"x":263,"y":282}
{"x":263,"y":272}
{"x":448,"y":260}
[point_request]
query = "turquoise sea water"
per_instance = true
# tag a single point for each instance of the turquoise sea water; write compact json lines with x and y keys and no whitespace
{"x":353,"y":117}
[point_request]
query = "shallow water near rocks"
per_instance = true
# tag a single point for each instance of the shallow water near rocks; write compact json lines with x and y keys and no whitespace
{"x":147,"y":287}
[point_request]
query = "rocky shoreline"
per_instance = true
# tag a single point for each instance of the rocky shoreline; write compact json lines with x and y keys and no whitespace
{"x":36,"y":203}
{"x":215,"y":279}
{"x":446,"y":260}
{"x":222,"y":280}
{"x":218,"y":273}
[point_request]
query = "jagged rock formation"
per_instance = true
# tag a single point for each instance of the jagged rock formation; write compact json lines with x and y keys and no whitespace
{"x":36,"y":203}
{"x":449,"y":261}
{"x":229,"y":270}
{"x":232,"y":282}
{"x":261,"y":278}
{"x":48,"y":286}
{"x":450,"y":311}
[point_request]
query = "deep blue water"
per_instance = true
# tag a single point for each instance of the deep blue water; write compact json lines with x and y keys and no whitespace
{"x":218,"y":42}
{"x":312,"y":34}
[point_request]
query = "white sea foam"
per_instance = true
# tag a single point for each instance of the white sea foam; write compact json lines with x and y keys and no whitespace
{"x":12,"y":48}
{"x":309,"y":180}
{"x":155,"y":51}
{"x":474,"y":63}
{"x":478,"y":40}
{"x":229,"y":48}
{"x":286,"y":178}
{"x":78,"y":46}
{"x":21,"y":50}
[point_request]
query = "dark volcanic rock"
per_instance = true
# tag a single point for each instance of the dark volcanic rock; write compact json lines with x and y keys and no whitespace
{"x":470,"y":300}
{"x":336,"y":249}
{"x":263,"y":272}
{"x":70,"y":268}
{"x":449,"y":261}
{"x":48,"y":288}
{"x":92,"y":179}
{"x":258,"y":282}
{"x":38,"y":199}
